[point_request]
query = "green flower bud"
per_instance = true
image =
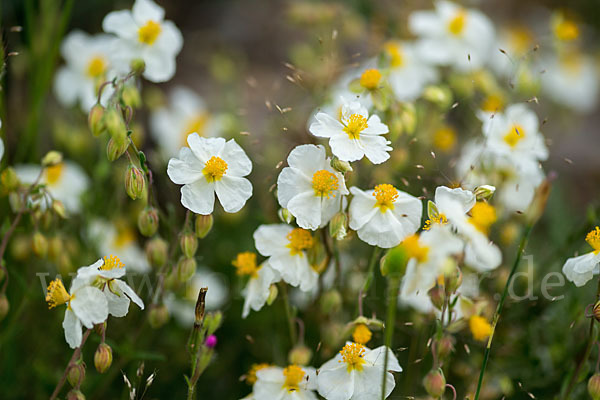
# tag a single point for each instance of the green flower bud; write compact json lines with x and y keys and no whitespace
{"x":138,"y":66}
{"x":300,"y":355}
{"x":131,"y":96}
{"x":435,"y":383}
{"x":59,"y":208}
{"x":394,"y":262}
{"x":39,"y":244}
{"x":338,"y":226}
{"x":113,"y":120}
{"x":204,"y":224}
{"x":453,"y":279}
{"x":55,"y":247}
{"x":484,"y":192}
{"x":96,"y":120}
{"x":212,"y":322}
{"x":438,"y":95}
{"x":4,"y":306}
{"x":331,"y":302}
{"x":273,"y":292}
{"x":158,"y":315}
{"x":340,"y":166}
{"x":538,"y":205}
{"x":594,"y":386}
{"x":115,"y":150}
{"x":156,"y":252}
{"x":52,"y":158}
{"x":188,"y":244}
{"x":445,"y":346}
{"x":75,"y":394}
{"x":103,"y":358}
{"x":285,"y":215}
{"x":9,"y":180}
{"x":76,"y":374}
{"x":148,"y":221}
{"x":135,"y":182}
{"x":186,"y":268}
{"x":437,"y":296}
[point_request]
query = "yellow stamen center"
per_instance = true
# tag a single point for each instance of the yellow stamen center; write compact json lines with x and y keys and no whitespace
{"x":361,"y":334}
{"x":300,"y":240}
{"x":457,"y":24}
{"x":593,"y":239}
{"x":251,"y":375}
{"x":293,"y":376}
{"x":125,"y":235}
{"x":148,"y":33}
{"x":324,"y":183}
{"x":395,"y":52}
{"x":444,"y":139}
{"x":370,"y":79}
{"x":352,"y":355}
{"x":566,"y":30}
{"x":386,"y":195}
{"x":96,"y":67}
{"x":480,"y":327}
{"x":436,"y":219}
{"x":245,"y":264}
{"x":414,"y":249}
{"x":492,"y":103}
{"x":54,"y":172}
{"x":196,"y":124}
{"x":57,"y":294}
{"x":483,"y":215}
{"x":514,"y":135}
{"x":214,"y":169}
{"x":355,"y":125}
{"x":111,"y":262}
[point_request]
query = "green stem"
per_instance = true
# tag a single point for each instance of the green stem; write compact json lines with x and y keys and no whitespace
{"x":288,"y":314}
{"x":371,"y":269}
{"x":486,"y":355}
{"x":393,"y":289}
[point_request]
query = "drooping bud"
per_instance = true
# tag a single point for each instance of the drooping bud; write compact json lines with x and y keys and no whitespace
{"x":186,"y":268}
{"x":8,"y":180}
{"x":52,"y":158}
{"x":148,"y":221}
{"x":103,"y":358}
{"x":39,"y":244}
{"x":273,"y":292}
{"x":285,"y":215}
{"x":435,"y":383}
{"x":437,"y":296}
{"x":135,"y":182}
{"x":300,"y":355}
{"x":59,"y":208}
{"x":331,"y":302}
{"x":75,"y":394}
{"x":445,"y":346}
{"x":113,"y":121}
{"x":204,"y":224}
{"x":55,"y":247}
{"x":453,"y":279}
{"x":76,"y":374}
{"x":188,"y":244}
{"x":338,"y":226}
{"x":596,"y":311}
{"x":131,"y":96}
{"x":95,"y":120}
{"x":594,"y":386}
{"x":156,"y":252}
{"x":138,"y":66}
{"x":394,"y":262}
{"x":115,"y":150}
{"x":340,"y":166}
{"x":158,"y":315}
{"x":4,"y":306}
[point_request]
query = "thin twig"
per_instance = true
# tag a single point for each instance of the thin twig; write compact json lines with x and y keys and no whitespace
{"x":74,"y":357}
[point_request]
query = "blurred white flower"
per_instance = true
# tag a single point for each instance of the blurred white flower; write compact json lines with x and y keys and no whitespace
{"x":147,"y":36}
{"x":409,"y":74}
{"x":452,"y":35}
{"x":260,"y":279}
{"x":86,"y":305}
{"x":384,"y":216}
{"x":310,"y":188}
{"x":517,"y":43}
{"x":290,"y":383}
{"x":581,"y":269}
{"x":121,"y":240}
{"x":1,"y":147}
{"x":356,"y":373}
{"x":209,"y":166}
{"x":286,"y":248}
{"x":186,"y":113}
{"x":355,"y":135}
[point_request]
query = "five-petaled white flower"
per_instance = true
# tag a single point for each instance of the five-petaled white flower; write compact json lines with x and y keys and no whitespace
{"x":384,"y":216}
{"x":290,"y":383}
{"x":310,"y":188}
{"x":286,"y":248}
{"x":355,"y":135}
{"x":209,"y":166}
{"x":147,"y":36}
{"x":260,"y":279}
{"x":581,"y":269}
{"x":356,"y":373}
{"x":409,"y":73}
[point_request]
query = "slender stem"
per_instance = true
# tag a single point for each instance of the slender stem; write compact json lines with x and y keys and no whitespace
{"x":393,"y":289}
{"x":288,"y":313}
{"x":486,"y":355}
{"x":74,"y":357}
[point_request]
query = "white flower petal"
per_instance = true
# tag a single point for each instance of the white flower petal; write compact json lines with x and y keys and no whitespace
{"x":325,"y":126}
{"x":346,"y":149}
{"x":147,"y":10}
{"x":89,"y":305}
{"x":120,"y":23}
{"x":205,"y":148}
{"x":306,"y":207}
{"x":199,"y":197}
{"x":271,"y":239}
{"x":129,"y":292}
{"x":159,"y":67}
{"x":335,"y":383}
{"x":238,"y":163}
{"x":233,"y":192}
{"x":185,"y":169}
{"x":72,"y":328}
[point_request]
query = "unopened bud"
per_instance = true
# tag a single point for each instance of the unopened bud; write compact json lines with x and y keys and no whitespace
{"x":39,"y":244}
{"x":115,"y":150}
{"x":148,"y":221}
{"x":135,"y":182}
{"x":273,"y":292}
{"x":96,"y":120}
{"x":186,"y":268}
{"x":76,"y":374}
{"x":300,"y":355}
{"x":113,"y":121}
{"x":596,"y":311}
{"x":59,"y":208}
{"x":55,"y":247}
{"x":138,"y":66}
{"x":340,"y":166}
{"x":285,"y":215}
{"x":438,"y":95}
{"x":156,"y":252}
{"x":131,"y":96}
{"x":103,"y":358}
{"x":52,"y":158}
{"x":9,"y":180}
{"x":445,"y":346}
{"x":484,"y":192}
{"x":437,"y":296}
{"x":4,"y":306}
{"x":538,"y":205}
{"x":594,"y":386}
{"x":75,"y":394}
{"x":408,"y":117}
{"x":394,"y":262}
{"x":158,"y":315}
{"x":331,"y":302}
{"x":212,"y":322}
{"x":338,"y":226}
{"x":204,"y":224}
{"x":435,"y":383}
{"x":453,"y":279}
{"x":188,"y":244}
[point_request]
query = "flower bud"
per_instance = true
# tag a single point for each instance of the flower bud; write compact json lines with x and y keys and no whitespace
{"x":76,"y":374}
{"x":103,"y":358}
{"x":115,"y":150}
{"x":273,"y":292}
{"x":59,"y":208}
{"x":445,"y":346}
{"x":438,"y":95}
{"x":331,"y":302}
{"x":340,"y":166}
{"x":9,"y":180}
{"x":212,"y":322}
{"x":188,"y":244}
{"x":138,"y":66}
{"x":4,"y":306}
{"x":148,"y":221}
{"x":435,"y":383}
{"x":135,"y":182}
{"x":211,"y":341}
{"x":338,"y":226}
{"x":453,"y":279}
{"x":39,"y":244}
{"x":204,"y":224}
{"x":131,"y":96}
{"x":408,"y":118}
{"x":55,"y":247}
{"x":186,"y":268}
{"x":300,"y":355}
{"x":484,"y":192}
{"x":594,"y":386}
{"x":596,"y":310}
{"x":394,"y":262}
{"x":95,"y":120}
{"x":75,"y":394}
{"x":156,"y":252}
{"x":158,"y":315}
{"x":437,"y":296}
{"x":113,"y":121}
{"x":285,"y":215}
{"x":52,"y":158}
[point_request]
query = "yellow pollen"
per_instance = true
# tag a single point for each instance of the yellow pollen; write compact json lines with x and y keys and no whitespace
{"x":148,"y":33}
{"x":492,"y":103}
{"x":57,"y":294}
{"x":125,"y":235}
{"x":361,"y":334}
{"x":111,"y":262}
{"x":456,"y":25}
{"x":566,"y":30}
{"x":386,"y":195}
{"x":444,"y":139}
{"x":414,"y":249}
{"x":480,"y":327}
{"x":355,"y":125}
{"x":514,"y":135}
{"x":96,"y":67}
{"x":214,"y":169}
{"x":300,"y":240}
{"x":245,"y":264}
{"x":251,"y":375}
{"x":370,"y":79}
{"x":436,"y":219}
{"x":395,"y":52}
{"x":196,"y":124}
{"x":293,"y":376}
{"x":483,"y":215}
{"x":54,"y":172}
{"x":324,"y":183}
{"x":593,"y":239}
{"x":352,"y":355}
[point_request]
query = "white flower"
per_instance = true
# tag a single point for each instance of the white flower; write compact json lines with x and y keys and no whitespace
{"x":65,"y":181}
{"x":1,"y":147}
{"x":581,"y":269}
{"x":384,"y":216}
{"x":89,"y":63}
{"x":355,"y":136}
{"x":105,"y":274}
{"x":121,"y":240}
{"x":290,"y":383}
{"x":356,"y":373}
{"x":409,"y":74}
{"x":209,"y":166}
{"x":185,"y":114}
{"x":286,"y":248}
{"x":146,"y":35}
{"x":452,"y":35}
{"x":86,"y":305}
{"x":260,"y":279}
{"x":517,"y":42}
{"x":310,"y":188}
